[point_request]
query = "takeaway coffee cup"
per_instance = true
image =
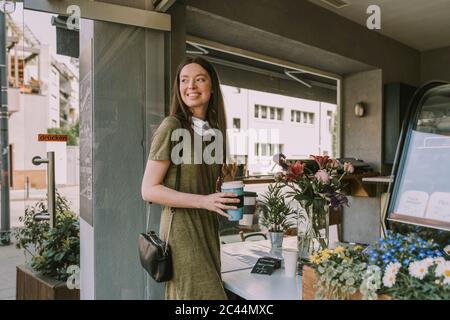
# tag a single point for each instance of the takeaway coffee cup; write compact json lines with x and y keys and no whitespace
{"x":238,"y":188}
{"x":249,"y":209}
{"x":290,"y":261}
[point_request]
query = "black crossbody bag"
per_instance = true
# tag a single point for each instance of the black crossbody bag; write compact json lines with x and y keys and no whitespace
{"x":154,"y":253}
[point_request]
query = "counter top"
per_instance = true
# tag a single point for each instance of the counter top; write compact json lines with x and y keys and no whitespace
{"x":239,"y":258}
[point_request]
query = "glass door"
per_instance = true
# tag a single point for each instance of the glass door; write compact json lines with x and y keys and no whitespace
{"x":85,"y":87}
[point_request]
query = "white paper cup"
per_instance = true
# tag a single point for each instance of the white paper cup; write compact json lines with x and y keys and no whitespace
{"x":290,"y":261}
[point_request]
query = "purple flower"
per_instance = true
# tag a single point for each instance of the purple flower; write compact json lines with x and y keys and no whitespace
{"x":338,"y":200}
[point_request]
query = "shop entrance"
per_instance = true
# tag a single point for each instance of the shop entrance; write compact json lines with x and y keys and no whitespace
{"x":80,"y":71}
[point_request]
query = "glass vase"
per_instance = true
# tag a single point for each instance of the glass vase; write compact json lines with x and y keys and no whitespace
{"x":313,"y":228}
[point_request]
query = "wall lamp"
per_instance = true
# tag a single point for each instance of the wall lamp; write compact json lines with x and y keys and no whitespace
{"x":360,"y":109}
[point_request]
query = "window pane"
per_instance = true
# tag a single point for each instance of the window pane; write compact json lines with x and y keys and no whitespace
{"x":297,"y":113}
{"x":330,"y":121}
{"x":276,"y":149}
{"x":264,"y":149}
{"x":292,"y":115}
{"x":263,"y":112}
{"x":236,"y":123}
{"x":272,"y":113}
{"x":311,"y":118}
{"x":279,"y":114}
{"x":256,"y":149}
{"x":256,"y":111}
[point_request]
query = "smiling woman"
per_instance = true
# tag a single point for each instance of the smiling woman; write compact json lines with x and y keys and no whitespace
{"x":195,"y":89}
{"x":197,"y":104}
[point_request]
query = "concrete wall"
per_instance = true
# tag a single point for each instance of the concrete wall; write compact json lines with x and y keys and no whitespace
{"x":362,"y":138}
{"x":435,"y":64}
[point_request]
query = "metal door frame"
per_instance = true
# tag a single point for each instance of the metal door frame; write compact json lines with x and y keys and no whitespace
{"x":102,"y":11}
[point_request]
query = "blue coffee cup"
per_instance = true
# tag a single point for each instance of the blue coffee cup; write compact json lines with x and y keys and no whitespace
{"x":236,"y":187}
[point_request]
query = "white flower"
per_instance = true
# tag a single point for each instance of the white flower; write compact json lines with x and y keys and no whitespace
{"x":389,"y":279}
{"x":428,"y":261}
{"x":439,"y":260}
{"x":391,"y":274}
{"x":418,"y":269}
{"x":443,"y":269}
{"x":447,"y":280}
{"x":393,"y":268}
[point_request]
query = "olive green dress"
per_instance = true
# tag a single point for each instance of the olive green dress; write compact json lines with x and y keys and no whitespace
{"x":194,"y":238}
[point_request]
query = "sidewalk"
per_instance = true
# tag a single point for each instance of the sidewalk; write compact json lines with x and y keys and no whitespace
{"x":10,"y":257}
{"x":34,"y":194}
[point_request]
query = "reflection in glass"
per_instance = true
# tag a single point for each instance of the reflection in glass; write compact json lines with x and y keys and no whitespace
{"x":423,"y":191}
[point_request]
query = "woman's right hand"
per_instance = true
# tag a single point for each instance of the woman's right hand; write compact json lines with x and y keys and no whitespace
{"x":217,"y":202}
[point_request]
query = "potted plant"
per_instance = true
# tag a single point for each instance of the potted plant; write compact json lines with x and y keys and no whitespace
{"x":276,"y":214}
{"x":52,"y":254}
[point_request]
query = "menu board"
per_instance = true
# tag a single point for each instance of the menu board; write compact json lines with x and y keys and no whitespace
{"x":422,"y":188}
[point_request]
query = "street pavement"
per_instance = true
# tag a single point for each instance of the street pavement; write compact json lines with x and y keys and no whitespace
{"x":10,"y":257}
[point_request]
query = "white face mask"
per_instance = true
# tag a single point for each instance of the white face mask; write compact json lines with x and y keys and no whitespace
{"x":202,"y":127}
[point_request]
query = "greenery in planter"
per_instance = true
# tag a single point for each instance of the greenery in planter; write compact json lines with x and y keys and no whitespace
{"x":339,"y":271}
{"x":52,"y":250}
{"x":276,"y":213}
{"x":404,"y":267}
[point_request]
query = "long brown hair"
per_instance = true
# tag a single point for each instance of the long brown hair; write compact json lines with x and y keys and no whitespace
{"x":215,"y":112}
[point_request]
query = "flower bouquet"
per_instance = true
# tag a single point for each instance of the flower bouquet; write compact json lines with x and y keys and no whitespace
{"x":316,"y":192}
{"x":404,"y":267}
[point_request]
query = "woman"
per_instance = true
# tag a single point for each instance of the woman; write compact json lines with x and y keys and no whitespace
{"x":197,"y":105}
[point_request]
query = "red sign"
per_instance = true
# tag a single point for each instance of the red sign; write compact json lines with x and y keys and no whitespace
{"x":53,"y":137}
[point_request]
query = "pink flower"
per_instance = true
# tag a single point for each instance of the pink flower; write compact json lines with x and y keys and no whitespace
{"x":348,"y":167}
{"x":321,"y":161}
{"x":322,"y":176}
{"x":295,"y":171}
{"x":334,"y":164}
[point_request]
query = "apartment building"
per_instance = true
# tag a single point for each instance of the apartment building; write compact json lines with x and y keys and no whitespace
{"x":42,"y":94}
{"x":263,"y":124}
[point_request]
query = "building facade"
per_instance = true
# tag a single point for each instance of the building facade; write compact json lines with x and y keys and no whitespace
{"x":262,"y":124}
{"x":42,"y":94}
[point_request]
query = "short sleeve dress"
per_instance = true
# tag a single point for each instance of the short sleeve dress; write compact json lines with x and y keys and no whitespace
{"x":194,"y":238}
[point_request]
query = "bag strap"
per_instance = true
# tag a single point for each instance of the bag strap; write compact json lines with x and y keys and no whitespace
{"x":172,"y":210}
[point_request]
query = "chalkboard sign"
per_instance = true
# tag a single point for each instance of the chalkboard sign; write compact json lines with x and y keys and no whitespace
{"x":421,"y":195}
{"x":266,"y":265}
